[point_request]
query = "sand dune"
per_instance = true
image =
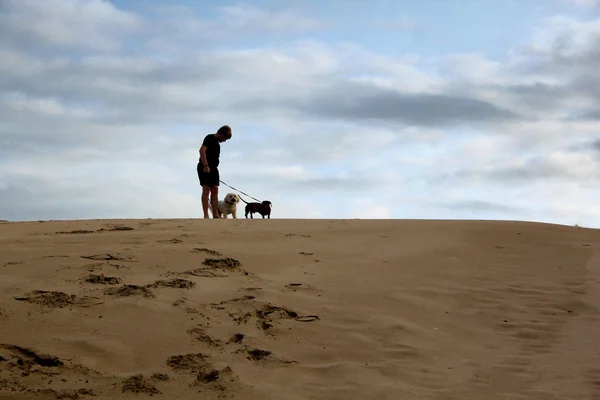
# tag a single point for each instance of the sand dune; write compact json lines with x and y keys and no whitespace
{"x":298,"y":309}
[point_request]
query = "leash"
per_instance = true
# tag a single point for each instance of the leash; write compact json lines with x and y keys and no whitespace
{"x":240,"y":192}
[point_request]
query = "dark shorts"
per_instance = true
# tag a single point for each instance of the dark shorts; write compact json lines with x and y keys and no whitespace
{"x":208,"y":179}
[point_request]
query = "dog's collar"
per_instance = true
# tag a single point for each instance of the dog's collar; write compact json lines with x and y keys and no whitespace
{"x":229,"y":203}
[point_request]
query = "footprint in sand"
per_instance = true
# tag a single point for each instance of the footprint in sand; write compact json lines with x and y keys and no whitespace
{"x":198,"y":334}
{"x":199,"y":365}
{"x":265,"y":317}
{"x":139,"y":384}
{"x":61,"y":394}
{"x":204,"y":273}
{"x":107,"y":256}
{"x":252,"y":289}
{"x":192,"y":362}
{"x":236,"y":338}
{"x":270,"y":312}
{"x":105,"y":280}
{"x":54,"y":299}
{"x":25,"y":367}
{"x":129,"y":290}
{"x":206,"y":251}
{"x":159,"y":377}
{"x":190,"y":310}
{"x":93,"y":266}
{"x":75,"y":232}
{"x":20,"y":363}
{"x":234,"y":300}
{"x":222,"y":263}
{"x":173,"y":283}
{"x":144,"y":291}
{"x":13,"y":263}
{"x":179,"y":302}
{"x":116,"y":228}
{"x":174,"y":240}
{"x":297,"y":286}
{"x":307,"y":318}
{"x":303,"y":287}
{"x":261,"y":355}
{"x":258,"y":354}
{"x":119,"y":267}
{"x":27,"y":357}
{"x":216,"y":268}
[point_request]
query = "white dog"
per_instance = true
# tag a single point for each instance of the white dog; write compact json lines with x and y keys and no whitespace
{"x":229,"y":205}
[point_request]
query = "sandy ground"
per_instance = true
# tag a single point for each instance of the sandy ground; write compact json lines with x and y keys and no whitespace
{"x":298,"y":309}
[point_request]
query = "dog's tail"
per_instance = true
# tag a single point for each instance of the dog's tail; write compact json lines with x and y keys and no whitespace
{"x":243,"y":199}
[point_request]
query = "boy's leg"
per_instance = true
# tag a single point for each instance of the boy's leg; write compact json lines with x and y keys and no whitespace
{"x":205,"y":193}
{"x":214,"y":200}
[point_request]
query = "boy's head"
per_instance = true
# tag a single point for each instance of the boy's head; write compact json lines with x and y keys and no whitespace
{"x":224,"y":133}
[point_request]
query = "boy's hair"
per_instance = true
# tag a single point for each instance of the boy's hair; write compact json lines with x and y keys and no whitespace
{"x":225,"y":130}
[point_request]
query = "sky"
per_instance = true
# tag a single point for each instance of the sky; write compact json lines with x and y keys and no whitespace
{"x":393,"y":109}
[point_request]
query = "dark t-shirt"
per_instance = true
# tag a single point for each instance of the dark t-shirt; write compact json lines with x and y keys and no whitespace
{"x":213,"y":150}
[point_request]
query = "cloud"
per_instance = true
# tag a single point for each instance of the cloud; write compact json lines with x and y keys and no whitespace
{"x":178,"y":29}
{"x":559,"y":166}
{"x":375,"y":212}
{"x":102,"y":111}
{"x":82,"y":25}
{"x":403,"y":23}
{"x":585,"y":3}
{"x":370,"y":207}
{"x":593,"y":115}
{"x":478,"y":206}
{"x":367,"y":103}
{"x":245,"y":17}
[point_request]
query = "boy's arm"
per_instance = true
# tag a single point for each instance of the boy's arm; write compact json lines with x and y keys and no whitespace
{"x":203,"y":155}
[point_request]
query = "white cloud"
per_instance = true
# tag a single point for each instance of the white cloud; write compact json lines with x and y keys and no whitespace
{"x":371,"y":208}
{"x":372,"y":212}
{"x":566,"y":36}
{"x":584,"y":3}
{"x":244,"y":16}
{"x":403,"y":23}
{"x":316,"y":124}
{"x":89,"y":24}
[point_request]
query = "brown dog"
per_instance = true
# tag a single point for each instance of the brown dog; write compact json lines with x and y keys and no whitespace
{"x":263,"y":209}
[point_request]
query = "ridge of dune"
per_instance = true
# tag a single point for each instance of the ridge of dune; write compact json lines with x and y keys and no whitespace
{"x":298,"y":309}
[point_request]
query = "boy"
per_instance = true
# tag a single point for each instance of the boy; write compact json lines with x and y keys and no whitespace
{"x":207,"y":168}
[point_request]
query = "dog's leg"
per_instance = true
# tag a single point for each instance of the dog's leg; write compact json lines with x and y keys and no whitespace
{"x":234,"y":214}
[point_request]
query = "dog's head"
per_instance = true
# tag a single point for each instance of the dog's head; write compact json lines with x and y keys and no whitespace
{"x":266,"y":203}
{"x":232,"y":198}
